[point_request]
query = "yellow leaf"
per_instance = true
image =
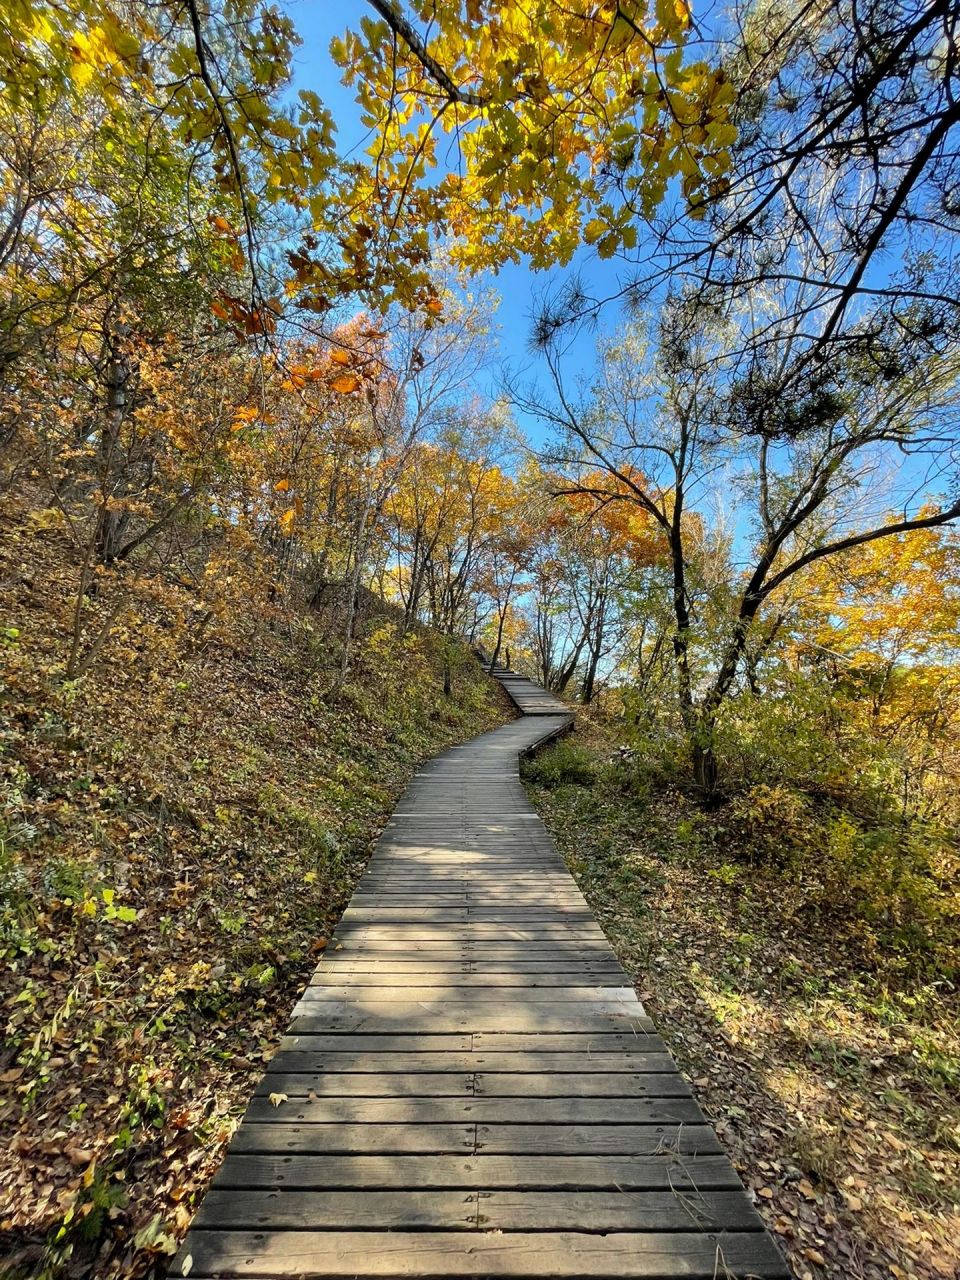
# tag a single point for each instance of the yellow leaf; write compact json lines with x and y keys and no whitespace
{"x":276,"y":1099}
{"x":286,"y":521}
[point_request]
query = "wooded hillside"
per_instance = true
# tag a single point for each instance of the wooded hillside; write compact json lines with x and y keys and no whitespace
{"x":275,"y":455}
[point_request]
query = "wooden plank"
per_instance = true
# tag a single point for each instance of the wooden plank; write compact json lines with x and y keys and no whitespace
{"x":498,"y":1210}
{"x":582,"y":1084}
{"x":339,"y":1084}
{"x":403,"y":905}
{"x":386,"y":966}
{"x":574,"y":920}
{"x":446,"y":932}
{"x":508,"y":950}
{"x":381,"y":898}
{"x":447,"y":1110}
{"x":335,"y":978}
{"x":468,"y":1084}
{"x":597,"y":1043}
{"x":532,"y":888}
{"x":517,"y":1172}
{"x":478,"y":991}
{"x":599,"y":1139}
{"x":609,"y":1041}
{"x":299,"y":1061}
{"x":281,"y":1139}
{"x":327,"y":1042}
{"x":340,"y":1210}
{"x":386,"y":1016}
{"x":296,"y":1056}
{"x":337,"y":1255}
{"x":448,"y":1139}
{"x":516,"y":1007}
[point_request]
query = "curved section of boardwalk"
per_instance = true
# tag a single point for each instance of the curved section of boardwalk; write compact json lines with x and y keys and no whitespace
{"x":472,"y":1088}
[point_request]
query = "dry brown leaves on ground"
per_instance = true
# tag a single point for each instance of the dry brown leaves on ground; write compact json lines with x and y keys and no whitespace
{"x":182,"y":827}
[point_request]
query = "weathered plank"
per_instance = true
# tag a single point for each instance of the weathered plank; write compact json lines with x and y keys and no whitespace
{"x":467,"y":992}
{"x":296,"y":1058}
{"x":495,"y":1210}
{"x":493,"y":1110}
{"x":469,"y":1084}
{"x":375,"y":1084}
{"x":384,"y":969}
{"x":458,"y":979}
{"x":662,"y":1172}
{"x":461,"y":1017}
{"x":440,"y":1255}
{"x":494,"y":1139}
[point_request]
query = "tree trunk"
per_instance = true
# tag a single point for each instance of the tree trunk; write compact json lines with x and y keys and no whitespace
{"x":706,"y":773}
{"x":501,"y":623}
{"x":447,"y":672}
{"x":111,"y":523}
{"x":590,"y":678}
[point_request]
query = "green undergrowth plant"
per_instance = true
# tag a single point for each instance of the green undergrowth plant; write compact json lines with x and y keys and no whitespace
{"x":840,"y":847}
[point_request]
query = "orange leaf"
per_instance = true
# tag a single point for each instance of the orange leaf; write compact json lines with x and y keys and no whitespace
{"x":339,"y":357}
{"x":434,"y":306}
{"x":286,"y":521}
{"x":243,"y":415}
{"x":282,"y":486}
{"x":345,"y":383}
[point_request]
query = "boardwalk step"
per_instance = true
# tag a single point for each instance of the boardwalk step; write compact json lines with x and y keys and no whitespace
{"x":337,"y":1255}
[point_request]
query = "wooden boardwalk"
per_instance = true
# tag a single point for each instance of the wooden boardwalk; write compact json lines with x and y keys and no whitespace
{"x":472,"y":1088}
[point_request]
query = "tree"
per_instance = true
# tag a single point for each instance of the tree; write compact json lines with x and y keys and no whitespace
{"x":881,"y":622}
{"x":841,"y":184}
{"x":663,"y":419}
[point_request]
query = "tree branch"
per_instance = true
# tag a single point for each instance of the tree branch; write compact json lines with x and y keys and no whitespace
{"x":403,"y":30}
{"x":858,"y":539}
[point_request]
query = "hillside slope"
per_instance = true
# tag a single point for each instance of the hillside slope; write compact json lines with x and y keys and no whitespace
{"x":830,"y":1077}
{"x":183,"y":824}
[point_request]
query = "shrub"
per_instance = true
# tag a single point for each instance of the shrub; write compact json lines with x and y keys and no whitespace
{"x":565,"y":763}
{"x":770,"y":824}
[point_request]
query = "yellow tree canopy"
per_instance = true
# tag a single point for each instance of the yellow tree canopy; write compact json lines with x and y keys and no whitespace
{"x":556,"y":121}
{"x":893,"y":600}
{"x":519,"y":130}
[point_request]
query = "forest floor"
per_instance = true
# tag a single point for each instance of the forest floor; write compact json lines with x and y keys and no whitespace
{"x":183,"y":825}
{"x":831,"y":1081}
